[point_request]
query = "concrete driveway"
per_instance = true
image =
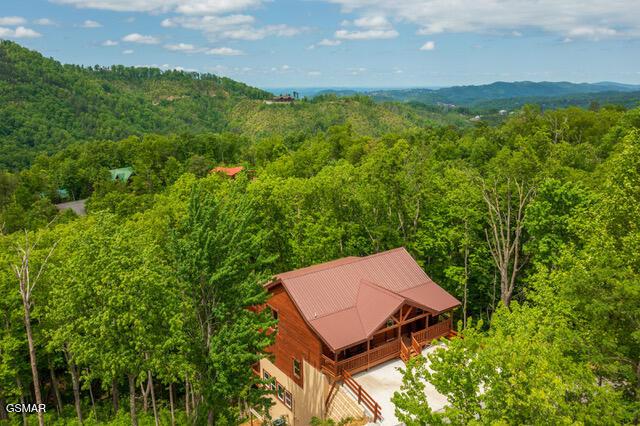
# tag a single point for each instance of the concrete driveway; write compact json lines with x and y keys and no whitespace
{"x":382,"y":381}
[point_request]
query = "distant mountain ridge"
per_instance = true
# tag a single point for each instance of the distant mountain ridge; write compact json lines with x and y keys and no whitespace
{"x":473,"y":94}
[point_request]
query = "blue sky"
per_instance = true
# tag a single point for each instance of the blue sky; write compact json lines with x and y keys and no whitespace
{"x":342,"y":43}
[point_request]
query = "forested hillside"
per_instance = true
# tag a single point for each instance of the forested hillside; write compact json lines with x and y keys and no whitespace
{"x":116,"y":304}
{"x":45,"y":105}
{"x":140,"y":312}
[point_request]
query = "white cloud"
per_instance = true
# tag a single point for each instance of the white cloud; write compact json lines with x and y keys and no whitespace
{"x":590,"y":19}
{"x":593,"y":32}
{"x":203,"y":7}
{"x":314,"y":73}
{"x":209,"y":23}
{"x":366,"y":34}
{"x":12,"y":20}
{"x":187,"y":7}
{"x":251,"y":33}
{"x":109,"y":43}
{"x":373,"y":22}
{"x":44,"y":22}
{"x":139,"y":38}
{"x":180,"y":47}
{"x":329,"y":42}
{"x":127,"y":52}
{"x":236,"y":27}
{"x":224,"y":51}
{"x":91,"y":24}
{"x":430,"y":45}
{"x":168,"y":23}
{"x":19,"y":32}
{"x":356,"y":71}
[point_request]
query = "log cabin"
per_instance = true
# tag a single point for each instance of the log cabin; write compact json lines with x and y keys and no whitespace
{"x":343,"y":317}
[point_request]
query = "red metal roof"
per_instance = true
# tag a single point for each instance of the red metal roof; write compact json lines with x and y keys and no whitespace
{"x":229,"y":171}
{"x":346,"y":300}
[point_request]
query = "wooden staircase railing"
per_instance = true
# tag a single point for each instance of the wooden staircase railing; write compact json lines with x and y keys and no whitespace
{"x":404,"y":351}
{"x":331,"y":394}
{"x":417,"y":348}
{"x":363,"y":396}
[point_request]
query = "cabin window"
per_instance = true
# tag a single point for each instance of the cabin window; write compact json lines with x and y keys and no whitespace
{"x":296,"y":368}
{"x":274,"y":312}
{"x":266,"y":376}
{"x":288,"y":399}
{"x":280,"y":392}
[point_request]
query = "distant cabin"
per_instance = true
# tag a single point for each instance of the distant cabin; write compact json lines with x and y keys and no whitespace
{"x":283,"y":99}
{"x":231,"y":172}
{"x":62,"y":194}
{"x":122,"y":174}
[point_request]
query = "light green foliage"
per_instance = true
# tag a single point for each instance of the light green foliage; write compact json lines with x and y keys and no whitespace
{"x":218,"y":253}
{"x":519,"y":372}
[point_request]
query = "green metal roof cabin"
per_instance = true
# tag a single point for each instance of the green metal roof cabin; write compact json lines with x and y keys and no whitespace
{"x":122,"y":174}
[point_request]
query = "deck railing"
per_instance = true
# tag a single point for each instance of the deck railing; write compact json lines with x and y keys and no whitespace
{"x":383,"y":352}
{"x":363,"y":396}
{"x":430,"y":333}
{"x":328,"y":365}
{"x":386,"y":351}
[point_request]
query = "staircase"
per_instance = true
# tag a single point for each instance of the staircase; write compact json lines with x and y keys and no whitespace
{"x":410,"y":349}
{"x":340,"y":404}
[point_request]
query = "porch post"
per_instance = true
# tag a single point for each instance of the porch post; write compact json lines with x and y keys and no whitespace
{"x":368,"y":347}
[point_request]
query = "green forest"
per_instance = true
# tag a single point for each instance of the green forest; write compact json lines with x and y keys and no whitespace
{"x":139,"y":312}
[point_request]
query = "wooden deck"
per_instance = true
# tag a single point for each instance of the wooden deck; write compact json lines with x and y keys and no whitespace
{"x":387,"y":351}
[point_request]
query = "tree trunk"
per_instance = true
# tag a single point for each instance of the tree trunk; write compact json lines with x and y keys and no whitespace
{"x":21,"y":390}
{"x":145,"y":393}
{"x":3,"y":412}
{"x":26,"y":286}
{"x":115,"y":396}
{"x":93,"y":401}
{"x":504,"y":236}
{"x":173,"y":417}
{"x":186,"y":396}
{"x":466,"y":286}
{"x":32,"y":355}
{"x":56,"y":390}
{"x":132,"y":400}
{"x":75,"y":380}
{"x":153,"y":399}
{"x":193,"y":401}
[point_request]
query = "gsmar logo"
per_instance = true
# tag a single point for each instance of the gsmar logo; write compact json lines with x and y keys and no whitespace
{"x":26,"y":408}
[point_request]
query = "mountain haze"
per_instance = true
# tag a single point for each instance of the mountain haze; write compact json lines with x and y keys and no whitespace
{"x":518,"y":93}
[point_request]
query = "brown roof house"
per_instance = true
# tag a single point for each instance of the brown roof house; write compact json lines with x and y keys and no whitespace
{"x":229,"y":171}
{"x":343,"y":317}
